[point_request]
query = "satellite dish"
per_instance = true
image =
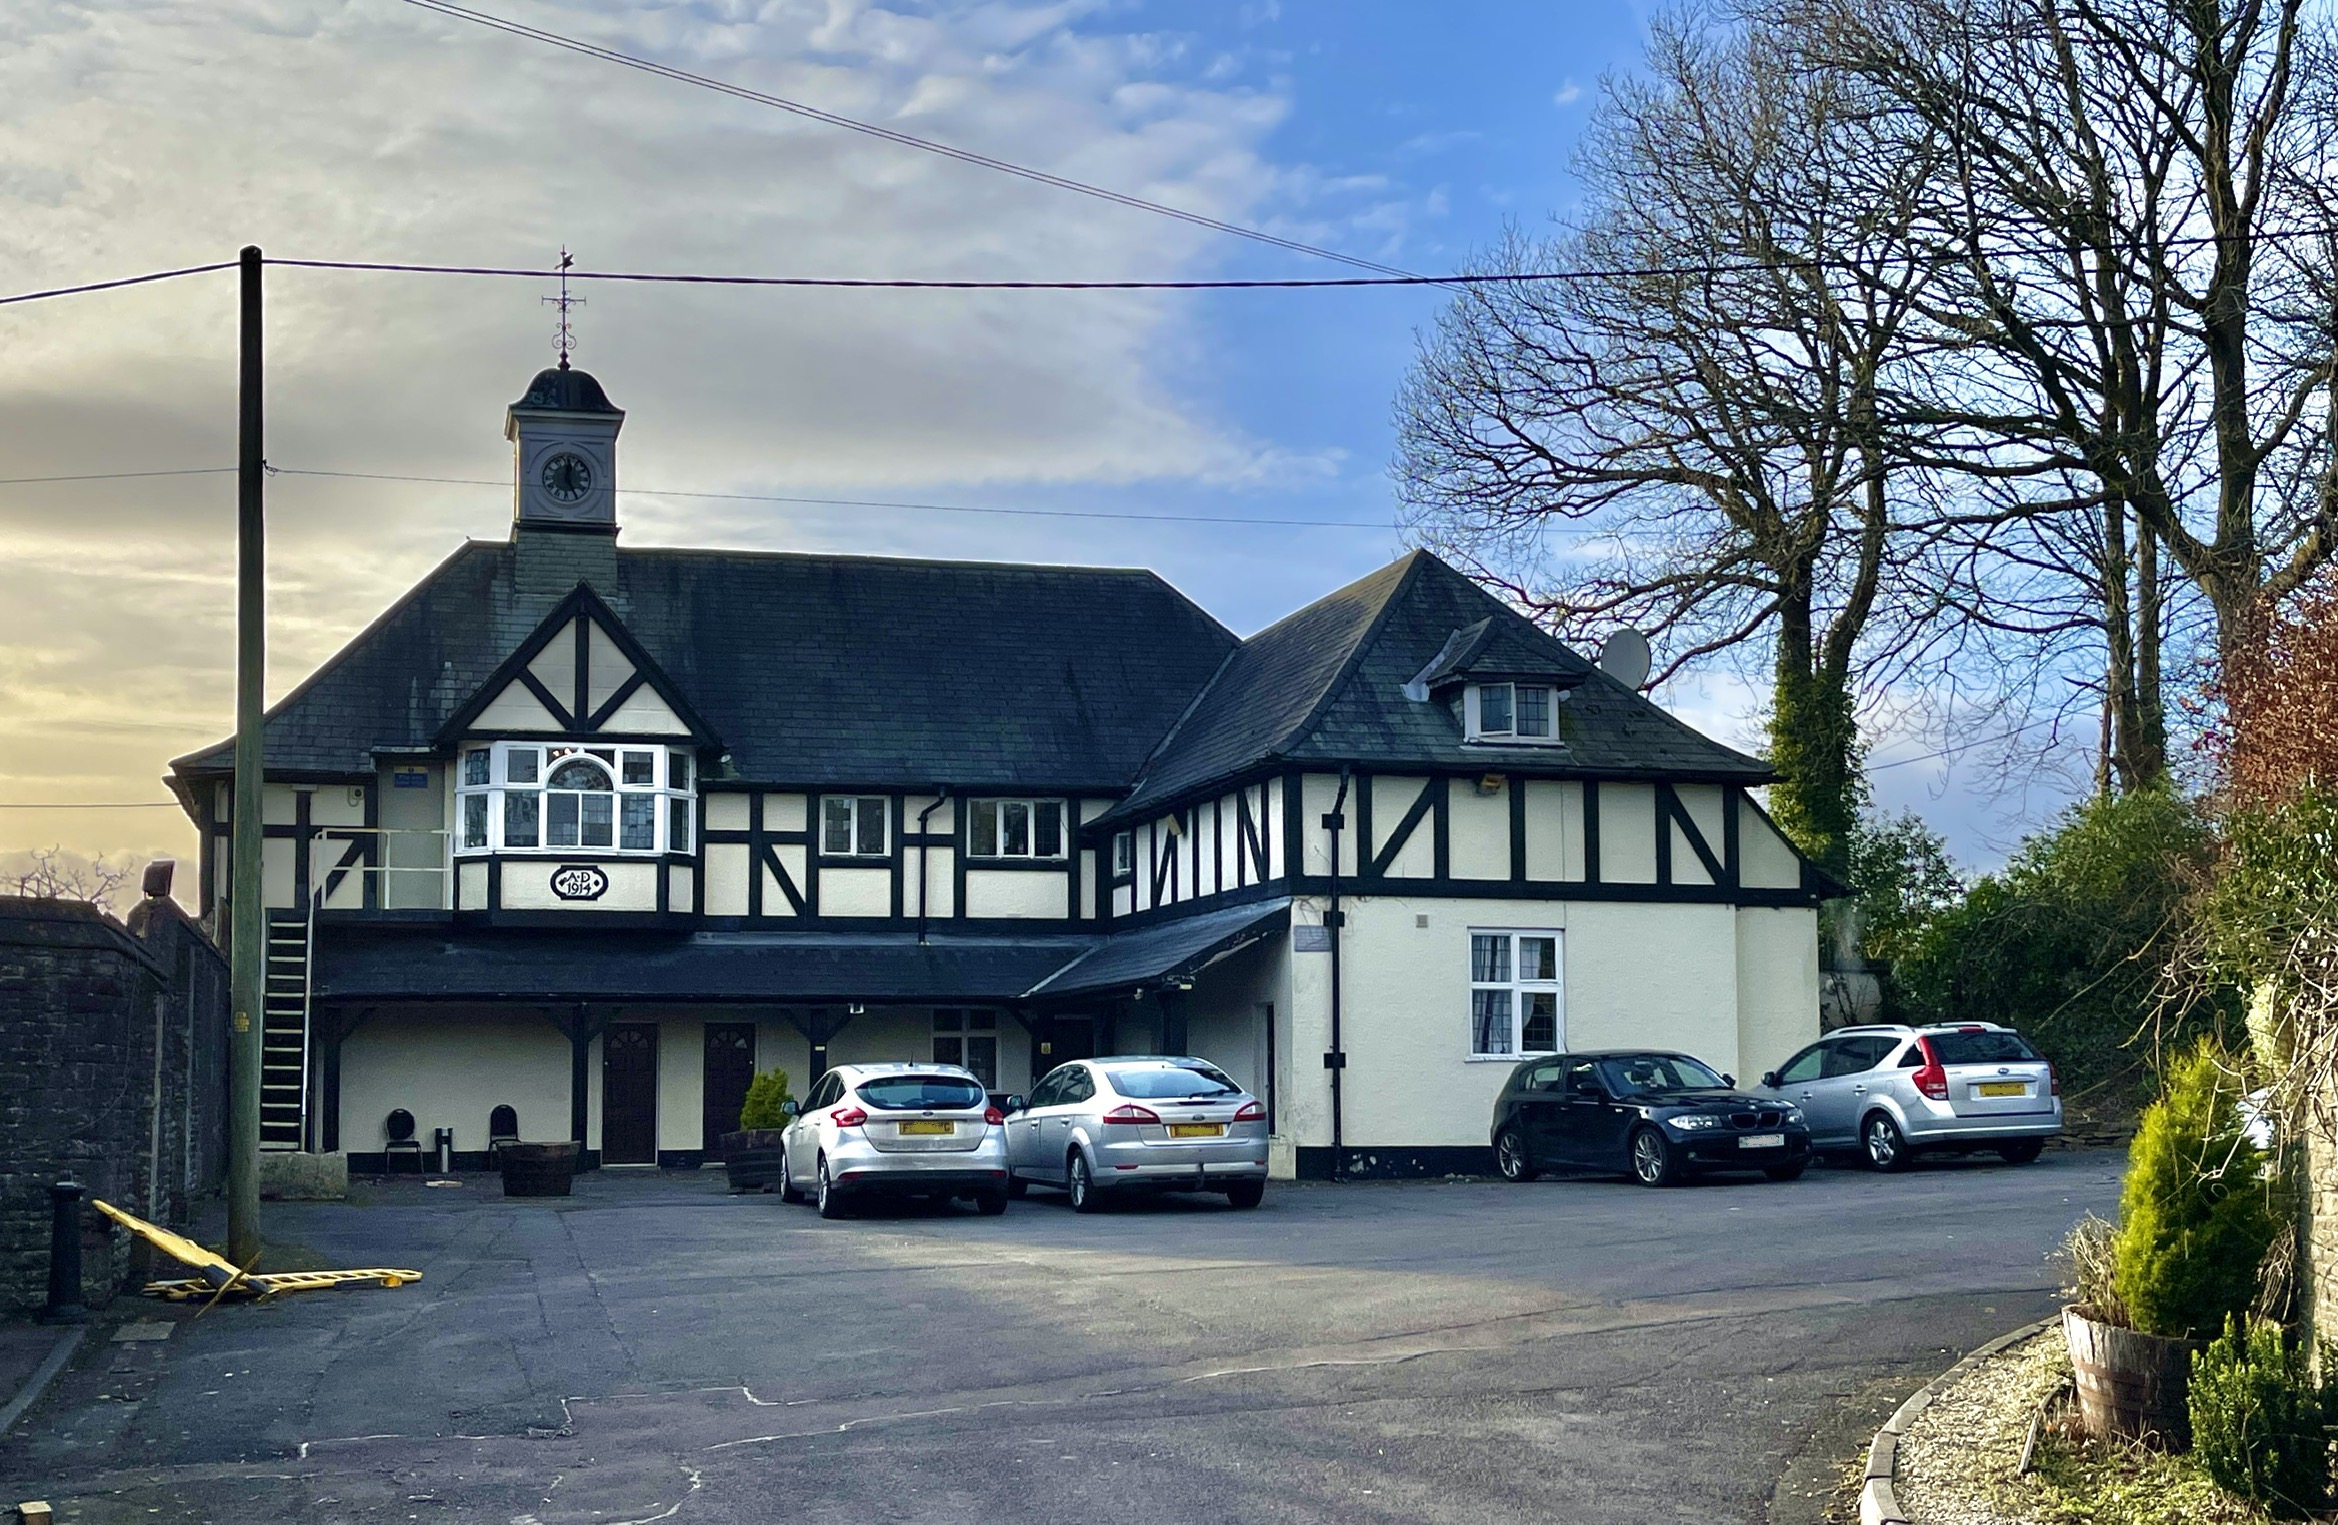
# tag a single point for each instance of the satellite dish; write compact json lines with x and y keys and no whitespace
{"x":1624,"y":657}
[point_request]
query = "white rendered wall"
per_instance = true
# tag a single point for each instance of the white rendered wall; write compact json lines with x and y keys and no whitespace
{"x":1777,"y":985}
{"x":1477,"y":842}
{"x":451,"y":1069}
{"x":1017,"y":893}
{"x":854,"y":892}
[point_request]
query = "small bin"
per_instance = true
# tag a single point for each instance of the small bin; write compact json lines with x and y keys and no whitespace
{"x":538,"y":1170}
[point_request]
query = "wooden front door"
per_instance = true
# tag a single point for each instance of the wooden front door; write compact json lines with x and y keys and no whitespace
{"x":730,"y":1065}
{"x":629,"y":1094}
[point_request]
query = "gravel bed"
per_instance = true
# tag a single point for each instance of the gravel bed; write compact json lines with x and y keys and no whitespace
{"x":1956,"y":1463}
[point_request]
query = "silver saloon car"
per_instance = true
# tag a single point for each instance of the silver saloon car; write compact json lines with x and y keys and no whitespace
{"x":1894,"y":1092}
{"x":1097,"y":1127}
{"x":905,"y":1130}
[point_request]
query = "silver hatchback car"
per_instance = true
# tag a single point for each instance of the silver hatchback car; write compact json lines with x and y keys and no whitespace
{"x":1893,"y":1092}
{"x":1100,"y":1126}
{"x":906,"y":1130}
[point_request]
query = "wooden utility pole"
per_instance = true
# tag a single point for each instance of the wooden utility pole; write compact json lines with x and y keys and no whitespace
{"x":247,"y":913}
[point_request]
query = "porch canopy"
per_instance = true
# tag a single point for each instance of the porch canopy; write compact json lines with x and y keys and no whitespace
{"x":1166,"y":952}
{"x":394,"y":962}
{"x":388,"y":963}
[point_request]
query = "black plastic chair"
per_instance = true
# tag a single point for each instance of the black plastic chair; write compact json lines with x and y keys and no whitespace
{"x":398,"y":1129}
{"x":503,"y":1127}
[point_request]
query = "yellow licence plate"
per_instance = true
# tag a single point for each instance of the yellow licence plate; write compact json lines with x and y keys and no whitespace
{"x":1197,"y":1130}
{"x":2003,"y":1088}
{"x":929,"y":1128}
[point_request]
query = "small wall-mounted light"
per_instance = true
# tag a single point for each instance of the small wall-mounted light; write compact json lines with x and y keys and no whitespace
{"x":855,"y":1009}
{"x":1491,"y":784}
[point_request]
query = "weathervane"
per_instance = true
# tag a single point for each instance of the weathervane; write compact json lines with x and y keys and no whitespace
{"x":564,"y":337}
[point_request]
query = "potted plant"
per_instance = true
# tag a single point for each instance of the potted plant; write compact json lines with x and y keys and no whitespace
{"x":2196,"y":1221}
{"x":537,"y":1170}
{"x":751,"y":1155}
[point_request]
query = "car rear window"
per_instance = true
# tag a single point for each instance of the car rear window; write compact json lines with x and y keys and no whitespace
{"x":1170,"y":1082}
{"x":916,"y":1093}
{"x":1981,"y":1048}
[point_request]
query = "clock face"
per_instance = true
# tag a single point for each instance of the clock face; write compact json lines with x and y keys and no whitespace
{"x":567,"y":477}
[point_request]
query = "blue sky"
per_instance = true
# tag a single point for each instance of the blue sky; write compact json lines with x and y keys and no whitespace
{"x":176,"y":131}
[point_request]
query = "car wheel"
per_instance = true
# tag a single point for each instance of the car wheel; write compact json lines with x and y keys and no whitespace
{"x":1017,"y":1187}
{"x":991,"y":1203}
{"x":1081,"y":1185}
{"x":788,"y":1190}
{"x":2021,"y":1151}
{"x":1791,"y":1172}
{"x":1887,"y":1147}
{"x":831,"y":1200}
{"x":1246,"y":1193}
{"x":1652,"y":1159}
{"x":1511,"y":1158}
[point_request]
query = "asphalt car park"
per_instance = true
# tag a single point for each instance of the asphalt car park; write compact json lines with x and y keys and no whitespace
{"x":654,"y":1348}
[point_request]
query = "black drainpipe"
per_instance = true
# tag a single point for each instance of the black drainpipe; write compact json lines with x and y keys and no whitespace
{"x":941,"y":797}
{"x":1337,"y":1060}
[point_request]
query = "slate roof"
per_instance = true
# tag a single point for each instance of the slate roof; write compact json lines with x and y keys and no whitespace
{"x":1327,"y":685}
{"x":828,"y":669}
{"x":567,"y":391}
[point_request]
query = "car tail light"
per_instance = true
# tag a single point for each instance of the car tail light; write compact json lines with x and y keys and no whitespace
{"x":848,"y":1117}
{"x":1251,"y":1112}
{"x":1132,"y":1114}
{"x":993,"y":1116}
{"x":1931,"y":1080}
{"x":2053,"y":1079}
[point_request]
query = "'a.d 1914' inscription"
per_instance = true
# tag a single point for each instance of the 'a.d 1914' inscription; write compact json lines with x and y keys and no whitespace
{"x":579,"y":881}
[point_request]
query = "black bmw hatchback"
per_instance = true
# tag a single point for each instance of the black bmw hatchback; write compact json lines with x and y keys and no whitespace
{"x":1658,"y":1117}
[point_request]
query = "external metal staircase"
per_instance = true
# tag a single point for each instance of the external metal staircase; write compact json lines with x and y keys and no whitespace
{"x":284,"y":1030}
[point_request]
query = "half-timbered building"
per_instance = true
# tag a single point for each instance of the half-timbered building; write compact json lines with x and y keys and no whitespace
{"x":592,"y":832}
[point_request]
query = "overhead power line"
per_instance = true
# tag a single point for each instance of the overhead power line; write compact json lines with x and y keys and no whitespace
{"x":95,"y":805}
{"x":890,"y":283}
{"x":892,"y":135}
{"x":128,"y":280}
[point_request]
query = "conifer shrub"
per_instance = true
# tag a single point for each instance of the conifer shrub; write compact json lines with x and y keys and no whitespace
{"x":765,"y":1095}
{"x":2196,"y":1214}
{"x":2260,"y":1420}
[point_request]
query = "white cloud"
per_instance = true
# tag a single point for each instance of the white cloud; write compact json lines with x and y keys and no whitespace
{"x":1568,"y":93}
{"x":174,"y":131}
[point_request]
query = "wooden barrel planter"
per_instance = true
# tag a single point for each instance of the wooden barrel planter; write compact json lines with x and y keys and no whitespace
{"x":2130,"y":1384}
{"x":751,"y":1158}
{"x":538,"y":1170}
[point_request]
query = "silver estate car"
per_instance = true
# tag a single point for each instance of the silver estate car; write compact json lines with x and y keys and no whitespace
{"x":1099,"y":1126}
{"x":906,"y":1130}
{"x":1894,"y":1092}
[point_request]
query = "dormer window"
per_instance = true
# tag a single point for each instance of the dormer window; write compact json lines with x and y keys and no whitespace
{"x":1511,"y":713}
{"x":524,"y":797}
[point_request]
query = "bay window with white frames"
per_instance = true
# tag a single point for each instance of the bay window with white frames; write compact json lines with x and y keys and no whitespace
{"x":534,"y":797}
{"x":1014,"y":829}
{"x":1515,"y":994}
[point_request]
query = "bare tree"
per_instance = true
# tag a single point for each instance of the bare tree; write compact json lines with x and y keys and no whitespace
{"x":1691,"y":438}
{"x":50,"y":873}
{"x":2133,"y":246}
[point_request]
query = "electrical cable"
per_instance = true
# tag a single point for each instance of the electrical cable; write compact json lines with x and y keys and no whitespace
{"x":890,"y":135}
{"x":95,"y":805}
{"x":1965,"y":746}
{"x":118,"y":476}
{"x":128,"y":280}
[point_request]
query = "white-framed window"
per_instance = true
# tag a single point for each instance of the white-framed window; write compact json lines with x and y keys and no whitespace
{"x":1511,"y":712}
{"x":1014,"y":829}
{"x":563,"y":797}
{"x":1124,"y":854}
{"x":969,"y":1039}
{"x":852,"y":825}
{"x":1516,"y":1005}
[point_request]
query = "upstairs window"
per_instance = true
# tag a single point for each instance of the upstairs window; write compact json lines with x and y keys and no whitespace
{"x":852,"y":826}
{"x":1014,"y":829}
{"x":1124,"y":854}
{"x":526,"y":797}
{"x":1511,"y":712}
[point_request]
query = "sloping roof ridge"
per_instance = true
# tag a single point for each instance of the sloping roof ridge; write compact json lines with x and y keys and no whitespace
{"x":1412,"y":562}
{"x":755,"y":553}
{"x":1145,"y":768}
{"x":350,"y":647}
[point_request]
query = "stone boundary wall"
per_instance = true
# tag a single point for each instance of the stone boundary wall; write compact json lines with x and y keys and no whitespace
{"x":113,"y":1072}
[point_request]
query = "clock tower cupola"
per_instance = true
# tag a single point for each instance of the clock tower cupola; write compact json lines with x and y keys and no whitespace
{"x":564,"y":453}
